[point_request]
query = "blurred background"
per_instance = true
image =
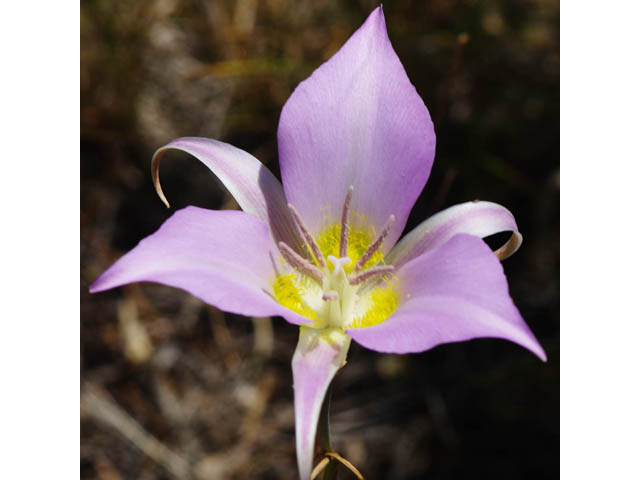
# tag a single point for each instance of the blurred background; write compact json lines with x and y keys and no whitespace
{"x":175,"y":389}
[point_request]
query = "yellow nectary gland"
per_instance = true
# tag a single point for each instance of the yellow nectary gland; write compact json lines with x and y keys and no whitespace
{"x":384,"y":302}
{"x":287,"y":290}
{"x":359,"y":241}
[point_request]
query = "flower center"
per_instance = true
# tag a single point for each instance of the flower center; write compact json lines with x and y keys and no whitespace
{"x":342,"y":280}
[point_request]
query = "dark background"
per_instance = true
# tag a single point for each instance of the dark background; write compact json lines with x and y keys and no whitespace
{"x":173,"y":388}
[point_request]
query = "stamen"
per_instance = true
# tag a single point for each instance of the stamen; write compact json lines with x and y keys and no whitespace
{"x":296,"y":261}
{"x":375,"y":245}
{"x":330,"y":295}
{"x":344,"y":231}
{"x":364,"y":276}
{"x":307,"y":236}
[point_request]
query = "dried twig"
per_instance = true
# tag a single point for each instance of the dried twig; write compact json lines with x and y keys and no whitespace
{"x":98,"y":404}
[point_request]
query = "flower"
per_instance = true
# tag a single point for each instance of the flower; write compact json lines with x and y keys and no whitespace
{"x":356,"y":146}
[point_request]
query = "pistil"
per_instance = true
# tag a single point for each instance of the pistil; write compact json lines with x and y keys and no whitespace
{"x":339,"y":264}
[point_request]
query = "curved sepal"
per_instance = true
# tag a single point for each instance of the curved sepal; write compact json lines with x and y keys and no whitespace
{"x":477,"y":218}
{"x":254,"y":187}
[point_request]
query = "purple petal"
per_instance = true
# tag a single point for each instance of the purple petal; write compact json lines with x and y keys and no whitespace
{"x":357,"y":121}
{"x":455,"y":292}
{"x":222,"y":257}
{"x":317,"y":359}
{"x":253,"y":186}
{"x":474,"y":218}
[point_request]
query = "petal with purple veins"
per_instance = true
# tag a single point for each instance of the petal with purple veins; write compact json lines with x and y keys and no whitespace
{"x":357,"y":121}
{"x":453,"y":293}
{"x":226,"y":258}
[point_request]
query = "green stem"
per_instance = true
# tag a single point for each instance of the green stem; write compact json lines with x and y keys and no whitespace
{"x":323,"y":437}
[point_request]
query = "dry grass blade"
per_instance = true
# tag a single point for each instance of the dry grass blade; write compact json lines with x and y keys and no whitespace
{"x":346,"y":463}
{"x":320,"y":467}
{"x":99,"y":405}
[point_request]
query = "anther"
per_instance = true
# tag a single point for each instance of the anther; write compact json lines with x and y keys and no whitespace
{"x":344,"y":231}
{"x":296,"y":261}
{"x":364,"y":276}
{"x":330,"y":295}
{"x":307,"y":237}
{"x":375,"y":245}
{"x":274,"y":264}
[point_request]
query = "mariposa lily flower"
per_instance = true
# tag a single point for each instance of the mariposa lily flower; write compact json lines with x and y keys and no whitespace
{"x":356,"y":146}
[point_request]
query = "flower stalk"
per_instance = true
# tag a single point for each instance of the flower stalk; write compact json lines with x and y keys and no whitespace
{"x":329,"y":464}
{"x":323,"y":438}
